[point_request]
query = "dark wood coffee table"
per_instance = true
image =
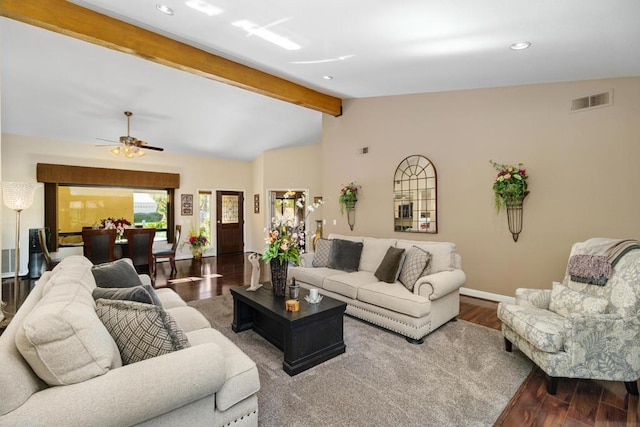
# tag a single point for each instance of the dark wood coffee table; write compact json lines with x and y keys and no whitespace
{"x":307,"y":337}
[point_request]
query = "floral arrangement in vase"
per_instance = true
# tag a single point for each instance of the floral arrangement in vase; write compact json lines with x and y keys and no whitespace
{"x":348,"y":196}
{"x":285,"y":242}
{"x":119,"y":224}
{"x":510,"y":184}
{"x":197,"y":242}
{"x":286,"y":235}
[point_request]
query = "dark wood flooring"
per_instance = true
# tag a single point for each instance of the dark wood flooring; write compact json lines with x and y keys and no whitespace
{"x":577,"y":403}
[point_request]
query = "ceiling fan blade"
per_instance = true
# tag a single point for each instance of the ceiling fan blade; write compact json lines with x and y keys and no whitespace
{"x":149,"y":147}
{"x":108,"y":140}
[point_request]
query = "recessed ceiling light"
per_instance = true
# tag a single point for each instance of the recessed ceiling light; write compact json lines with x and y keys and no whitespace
{"x":164,"y":9}
{"x":519,"y":45}
{"x":326,"y":77}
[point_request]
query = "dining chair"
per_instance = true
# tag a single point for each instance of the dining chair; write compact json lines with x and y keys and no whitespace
{"x":163,"y":254}
{"x":140,"y":247}
{"x":99,"y":244}
{"x":52,"y":259}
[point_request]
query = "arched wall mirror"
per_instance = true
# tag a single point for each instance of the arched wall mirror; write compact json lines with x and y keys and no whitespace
{"x":415,"y":196}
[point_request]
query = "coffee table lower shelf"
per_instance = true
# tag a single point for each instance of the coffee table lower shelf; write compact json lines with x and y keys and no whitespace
{"x":307,"y":337}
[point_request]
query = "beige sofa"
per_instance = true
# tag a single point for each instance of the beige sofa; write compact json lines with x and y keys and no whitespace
{"x":212,"y":382}
{"x":435,"y":298}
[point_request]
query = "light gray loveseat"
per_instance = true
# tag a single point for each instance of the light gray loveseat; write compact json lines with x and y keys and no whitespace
{"x":212,"y":382}
{"x":435,"y":298}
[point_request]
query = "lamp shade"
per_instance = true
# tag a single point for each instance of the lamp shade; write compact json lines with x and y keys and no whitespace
{"x":18,"y":195}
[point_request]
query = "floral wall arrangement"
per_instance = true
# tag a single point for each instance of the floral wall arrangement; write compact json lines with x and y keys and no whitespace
{"x":510,"y":184}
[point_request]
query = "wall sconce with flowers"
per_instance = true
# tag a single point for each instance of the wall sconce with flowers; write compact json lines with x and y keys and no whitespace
{"x":347,"y":200}
{"x":510,"y":190}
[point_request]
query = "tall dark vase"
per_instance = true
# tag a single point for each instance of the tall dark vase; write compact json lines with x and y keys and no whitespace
{"x":278,"y":276}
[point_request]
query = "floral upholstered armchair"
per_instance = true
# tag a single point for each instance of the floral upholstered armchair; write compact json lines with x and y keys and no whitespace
{"x":588,"y":326}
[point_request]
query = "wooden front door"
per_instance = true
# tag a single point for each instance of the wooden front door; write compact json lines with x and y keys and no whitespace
{"x":229,"y":222}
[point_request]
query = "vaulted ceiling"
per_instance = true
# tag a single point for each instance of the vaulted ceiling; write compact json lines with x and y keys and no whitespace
{"x":278,"y":56}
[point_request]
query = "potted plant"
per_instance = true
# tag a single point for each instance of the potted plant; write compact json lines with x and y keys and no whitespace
{"x":197,"y":242}
{"x":510,"y":186}
{"x":283,"y":244}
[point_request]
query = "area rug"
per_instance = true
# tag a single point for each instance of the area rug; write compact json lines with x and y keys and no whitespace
{"x":460,"y":376}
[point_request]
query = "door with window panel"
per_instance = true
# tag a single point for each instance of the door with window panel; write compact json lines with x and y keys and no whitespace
{"x":229,"y":222}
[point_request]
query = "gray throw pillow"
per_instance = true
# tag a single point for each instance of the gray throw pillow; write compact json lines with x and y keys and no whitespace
{"x":323,"y":253}
{"x":133,"y":293}
{"x":117,"y":274}
{"x":141,"y":331}
{"x":416,"y":264}
{"x":345,"y":255}
{"x":387,"y":271}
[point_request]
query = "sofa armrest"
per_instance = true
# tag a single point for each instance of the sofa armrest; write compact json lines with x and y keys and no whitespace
{"x":533,"y":298}
{"x":145,"y":279}
{"x":437,"y":285}
{"x":130,"y":394}
{"x":608,"y":344}
{"x":306,"y":259}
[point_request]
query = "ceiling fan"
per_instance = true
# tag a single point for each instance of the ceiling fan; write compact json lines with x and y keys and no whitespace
{"x":131,"y":146}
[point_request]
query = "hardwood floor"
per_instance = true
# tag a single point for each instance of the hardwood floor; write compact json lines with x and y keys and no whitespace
{"x":577,"y":402}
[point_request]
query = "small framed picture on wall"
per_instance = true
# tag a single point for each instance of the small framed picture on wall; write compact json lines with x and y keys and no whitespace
{"x":256,"y":203}
{"x":186,"y":204}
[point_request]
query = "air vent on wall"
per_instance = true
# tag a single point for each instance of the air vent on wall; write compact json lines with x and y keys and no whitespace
{"x":592,"y":101}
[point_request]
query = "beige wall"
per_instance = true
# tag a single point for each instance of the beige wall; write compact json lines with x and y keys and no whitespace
{"x":287,"y":168}
{"x":20,"y":155}
{"x":582,"y":166}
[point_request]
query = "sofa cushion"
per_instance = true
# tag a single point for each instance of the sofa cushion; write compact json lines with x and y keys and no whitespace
{"x":133,"y":293}
{"x":188,"y":318}
{"x":242,"y":378}
{"x":373,"y":251}
{"x":416,"y":264}
{"x":565,"y":301}
{"x":169,"y":298}
{"x":542,"y":328}
{"x":62,"y":339}
{"x":347,"y":284}
{"x":443,"y":253}
{"x":313,"y":276}
{"x":388,"y":269}
{"x":141,"y":331}
{"x":117,"y":274}
{"x":395,"y":297}
{"x":323,"y":253}
{"x":345,"y":255}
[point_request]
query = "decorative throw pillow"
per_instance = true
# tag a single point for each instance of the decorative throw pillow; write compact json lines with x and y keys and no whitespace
{"x":416,"y":264}
{"x":141,"y":331}
{"x":134,"y":293}
{"x":345,"y":255}
{"x":323,"y":253}
{"x":117,"y":274}
{"x":387,"y":271}
{"x":565,"y":301}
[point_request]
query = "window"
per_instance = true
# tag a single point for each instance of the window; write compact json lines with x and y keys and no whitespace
{"x":205,"y":211}
{"x":86,"y":206}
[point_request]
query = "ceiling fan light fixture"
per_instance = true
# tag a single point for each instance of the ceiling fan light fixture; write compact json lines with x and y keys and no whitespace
{"x":115,"y":151}
{"x":140,"y":152}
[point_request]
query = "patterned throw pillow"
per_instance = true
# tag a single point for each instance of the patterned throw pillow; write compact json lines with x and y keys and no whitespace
{"x":141,"y":331}
{"x":416,"y":264}
{"x":387,"y":271}
{"x":323,"y":253}
{"x":565,"y":301}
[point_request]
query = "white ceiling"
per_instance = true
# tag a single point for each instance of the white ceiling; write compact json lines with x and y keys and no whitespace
{"x":59,"y":87}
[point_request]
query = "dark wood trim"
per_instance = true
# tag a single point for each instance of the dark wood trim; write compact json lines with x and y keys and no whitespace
{"x":51,"y":213}
{"x":75,"y":21}
{"x":80,"y":175}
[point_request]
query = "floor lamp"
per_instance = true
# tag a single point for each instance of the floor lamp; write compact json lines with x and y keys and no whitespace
{"x":17,"y":196}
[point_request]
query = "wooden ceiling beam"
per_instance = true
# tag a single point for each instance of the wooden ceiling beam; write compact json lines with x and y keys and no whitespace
{"x":72,"y":20}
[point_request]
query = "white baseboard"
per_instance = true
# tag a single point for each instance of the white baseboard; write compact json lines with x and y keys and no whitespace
{"x":487,"y":295}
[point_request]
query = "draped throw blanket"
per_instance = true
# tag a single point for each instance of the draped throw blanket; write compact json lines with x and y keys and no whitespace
{"x":596,"y":269}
